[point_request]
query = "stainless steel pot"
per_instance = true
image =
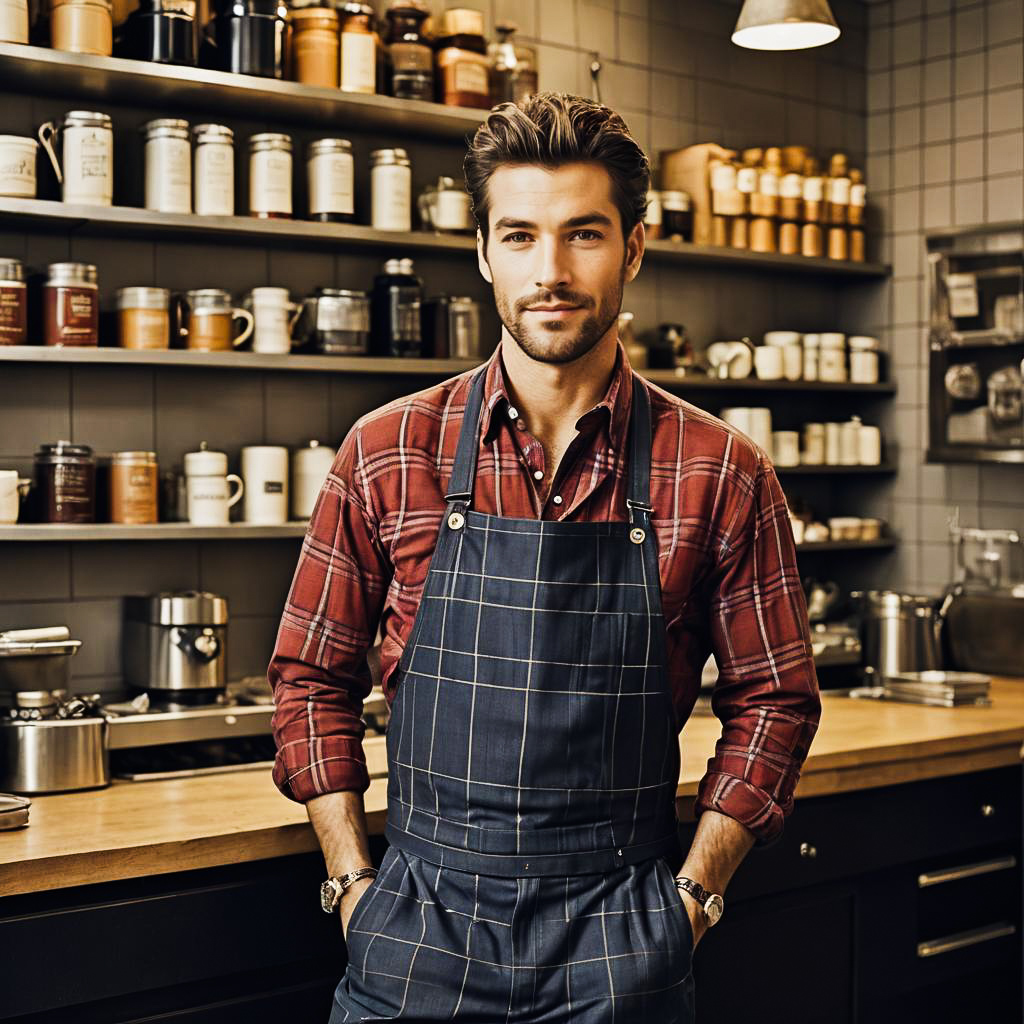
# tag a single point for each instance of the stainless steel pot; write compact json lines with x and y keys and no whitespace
{"x":36,"y":659}
{"x":899,"y":632}
{"x":54,"y":755}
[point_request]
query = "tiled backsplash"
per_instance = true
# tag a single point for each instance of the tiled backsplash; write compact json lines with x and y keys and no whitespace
{"x":945,"y":131}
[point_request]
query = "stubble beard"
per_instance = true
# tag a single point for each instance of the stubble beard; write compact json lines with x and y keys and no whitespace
{"x":555,"y":341}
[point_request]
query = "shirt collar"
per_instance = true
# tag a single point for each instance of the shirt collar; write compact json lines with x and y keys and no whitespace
{"x":612,"y":411}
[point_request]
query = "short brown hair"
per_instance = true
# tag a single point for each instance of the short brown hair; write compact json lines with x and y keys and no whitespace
{"x":552,"y":129}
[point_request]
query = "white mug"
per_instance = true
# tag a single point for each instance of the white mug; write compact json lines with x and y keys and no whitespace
{"x":86,"y":172}
{"x":274,"y":316}
{"x":792,"y":362}
{"x":208,"y":493}
{"x":8,"y":496}
{"x":18,"y":166}
{"x":265,"y":471}
{"x":768,"y":362}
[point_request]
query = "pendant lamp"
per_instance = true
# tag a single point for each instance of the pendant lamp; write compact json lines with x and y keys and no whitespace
{"x":785,"y":25}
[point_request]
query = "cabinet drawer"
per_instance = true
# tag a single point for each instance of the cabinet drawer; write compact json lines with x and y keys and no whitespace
{"x":827,"y":838}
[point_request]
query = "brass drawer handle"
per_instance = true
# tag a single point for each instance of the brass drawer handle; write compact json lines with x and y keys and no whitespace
{"x":984,"y":867}
{"x":808,"y":851}
{"x":961,"y":940}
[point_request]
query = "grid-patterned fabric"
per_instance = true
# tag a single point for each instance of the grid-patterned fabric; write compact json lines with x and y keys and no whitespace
{"x":533,"y":730}
{"x":727,"y":566}
{"x":427,"y":943}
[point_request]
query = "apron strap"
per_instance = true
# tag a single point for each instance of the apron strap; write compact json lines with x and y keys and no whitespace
{"x":460,"y":487}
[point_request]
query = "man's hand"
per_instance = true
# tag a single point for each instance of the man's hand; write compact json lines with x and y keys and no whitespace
{"x":696,"y":915}
{"x":349,"y":901}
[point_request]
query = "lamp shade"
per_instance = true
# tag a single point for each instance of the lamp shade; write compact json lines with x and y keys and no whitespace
{"x":785,"y":25}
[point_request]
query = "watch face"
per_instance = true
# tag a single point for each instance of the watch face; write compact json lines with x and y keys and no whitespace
{"x":713,"y":908}
{"x":327,"y":895}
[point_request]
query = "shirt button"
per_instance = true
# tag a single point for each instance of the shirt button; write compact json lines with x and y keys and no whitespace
{"x":538,"y":474}
{"x":520,"y":425}
{"x":557,"y":499}
{"x":513,"y":412}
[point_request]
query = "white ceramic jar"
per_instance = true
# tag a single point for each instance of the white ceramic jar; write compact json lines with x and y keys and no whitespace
{"x":391,"y":190}
{"x":330,"y":171}
{"x":214,"y":175}
{"x":168,"y":166}
{"x":18,"y":166}
{"x":86,"y":172}
{"x":13,"y":21}
{"x":310,"y":466}
{"x":270,"y":175}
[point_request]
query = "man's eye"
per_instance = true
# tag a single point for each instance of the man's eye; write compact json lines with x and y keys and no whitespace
{"x":517,"y":236}
{"x":587,"y":236}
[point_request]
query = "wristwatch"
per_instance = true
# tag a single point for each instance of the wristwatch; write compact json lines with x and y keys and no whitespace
{"x":334,"y":888}
{"x":711,"y":904}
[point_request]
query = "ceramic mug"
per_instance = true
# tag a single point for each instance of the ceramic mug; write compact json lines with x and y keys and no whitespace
{"x":768,"y":362}
{"x":209,"y":497}
{"x":205,"y":320}
{"x":274,"y":318}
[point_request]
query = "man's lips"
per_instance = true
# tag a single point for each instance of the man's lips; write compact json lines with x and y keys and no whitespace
{"x":563,"y":308}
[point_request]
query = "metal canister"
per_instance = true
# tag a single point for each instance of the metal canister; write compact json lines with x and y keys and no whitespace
{"x":168,"y":165}
{"x":391,"y":190}
{"x":331,"y":179}
{"x":13,"y":308}
{"x":900,"y":632}
{"x":133,"y":487}
{"x":65,"y":483}
{"x":213,"y":179}
{"x":71,"y":305}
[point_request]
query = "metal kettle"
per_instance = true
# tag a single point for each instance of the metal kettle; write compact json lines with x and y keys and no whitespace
{"x":899,"y":632}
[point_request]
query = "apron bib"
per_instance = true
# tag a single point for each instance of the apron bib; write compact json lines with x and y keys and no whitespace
{"x":533,"y":760}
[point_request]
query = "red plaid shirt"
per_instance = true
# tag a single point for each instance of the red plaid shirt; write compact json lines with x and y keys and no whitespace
{"x":729,"y":577}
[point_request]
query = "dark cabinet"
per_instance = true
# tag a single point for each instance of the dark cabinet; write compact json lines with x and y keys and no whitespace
{"x":896,"y":904}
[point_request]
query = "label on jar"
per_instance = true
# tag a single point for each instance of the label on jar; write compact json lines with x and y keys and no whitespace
{"x":391,"y":185}
{"x":145,"y":328}
{"x":746,"y":179}
{"x":468,"y":76}
{"x":723,"y":178}
{"x":71,"y":315}
{"x":88,"y":165}
{"x":858,"y":194}
{"x":768,"y":183}
{"x":270,"y":182}
{"x":411,"y":57}
{"x":791,"y":186}
{"x":17,"y":170}
{"x":133,"y":493}
{"x":840,"y":191}
{"x":13,"y":317}
{"x":169,"y":175}
{"x":358,"y":62}
{"x":72,"y":497}
{"x":215,"y":179}
{"x":814,"y":190}
{"x":331,"y":187}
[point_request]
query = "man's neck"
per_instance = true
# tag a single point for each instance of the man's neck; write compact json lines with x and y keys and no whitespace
{"x":551,"y":397}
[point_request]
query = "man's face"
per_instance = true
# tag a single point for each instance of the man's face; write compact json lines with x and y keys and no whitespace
{"x":556,"y":257}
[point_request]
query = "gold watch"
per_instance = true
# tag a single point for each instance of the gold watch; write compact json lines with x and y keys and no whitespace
{"x":711,"y":904}
{"x":334,"y":888}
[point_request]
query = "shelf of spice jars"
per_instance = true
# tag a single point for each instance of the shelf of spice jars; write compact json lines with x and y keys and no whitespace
{"x":402,"y":366}
{"x":133,"y":220}
{"x":176,"y":89}
{"x":154,"y":531}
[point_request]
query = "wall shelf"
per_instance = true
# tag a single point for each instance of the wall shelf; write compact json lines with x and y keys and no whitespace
{"x":882,"y":544}
{"x":108,"y":356}
{"x":128,"y":221}
{"x":40,"y":70}
{"x":157,"y":531}
{"x":881,"y":468}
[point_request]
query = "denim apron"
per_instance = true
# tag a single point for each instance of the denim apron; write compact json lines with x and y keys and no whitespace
{"x":533,"y":760}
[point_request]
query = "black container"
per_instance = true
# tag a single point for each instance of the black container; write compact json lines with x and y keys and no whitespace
{"x":395,"y":305}
{"x":65,"y":483}
{"x":410,"y":58}
{"x":249,"y":37}
{"x":163,"y":31}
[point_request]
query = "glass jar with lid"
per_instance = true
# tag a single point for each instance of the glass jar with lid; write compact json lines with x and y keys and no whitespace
{"x":395,"y":311}
{"x":168,"y":165}
{"x":143,"y":317}
{"x":65,"y":483}
{"x":359,"y":46}
{"x":391,"y":190}
{"x":315,"y":46}
{"x":133,"y":487}
{"x":214,"y":177}
{"x":270,"y":175}
{"x":71,"y":305}
{"x":13,"y":305}
{"x":409,"y":54}
{"x":250,"y":36}
{"x":82,"y":26}
{"x":462,"y":65}
{"x":331,"y":180}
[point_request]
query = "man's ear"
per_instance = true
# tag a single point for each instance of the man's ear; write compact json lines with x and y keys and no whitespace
{"x":635,"y":251}
{"x":481,"y":258}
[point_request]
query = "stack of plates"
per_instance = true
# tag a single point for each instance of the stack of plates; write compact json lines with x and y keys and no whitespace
{"x":939,"y":689}
{"x":13,"y":811}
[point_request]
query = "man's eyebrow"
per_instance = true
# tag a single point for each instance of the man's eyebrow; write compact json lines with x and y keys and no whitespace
{"x":574,"y":222}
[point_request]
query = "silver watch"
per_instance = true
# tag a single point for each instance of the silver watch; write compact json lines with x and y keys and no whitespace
{"x":711,"y":904}
{"x":334,"y":888}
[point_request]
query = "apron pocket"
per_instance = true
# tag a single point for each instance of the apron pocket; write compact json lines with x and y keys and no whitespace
{"x":678,"y":911}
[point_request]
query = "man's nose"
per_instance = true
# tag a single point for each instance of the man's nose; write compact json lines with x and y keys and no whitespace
{"x":553,"y":267}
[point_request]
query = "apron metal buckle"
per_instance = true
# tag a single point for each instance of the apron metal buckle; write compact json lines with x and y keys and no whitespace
{"x":456,"y":521}
{"x":636,"y":535}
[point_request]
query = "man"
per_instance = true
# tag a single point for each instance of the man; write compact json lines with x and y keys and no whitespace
{"x":552,"y":547}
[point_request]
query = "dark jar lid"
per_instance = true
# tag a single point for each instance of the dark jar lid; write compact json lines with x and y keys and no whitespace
{"x":63,"y":451}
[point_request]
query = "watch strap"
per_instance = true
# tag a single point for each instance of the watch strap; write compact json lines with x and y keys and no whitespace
{"x":695,"y":889}
{"x":335,"y":887}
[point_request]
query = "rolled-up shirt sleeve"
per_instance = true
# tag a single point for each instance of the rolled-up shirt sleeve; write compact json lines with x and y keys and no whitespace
{"x":767,"y":691}
{"x":318,"y":670}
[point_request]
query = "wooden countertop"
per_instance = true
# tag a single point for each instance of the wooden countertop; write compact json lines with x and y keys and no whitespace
{"x":132,"y":829}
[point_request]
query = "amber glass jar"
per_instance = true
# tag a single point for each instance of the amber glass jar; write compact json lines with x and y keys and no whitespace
{"x":315,"y":47}
{"x":462,"y":64}
{"x":359,"y":42}
{"x":133,"y":487}
{"x":409,"y":55}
